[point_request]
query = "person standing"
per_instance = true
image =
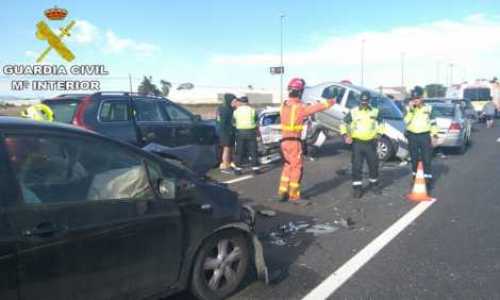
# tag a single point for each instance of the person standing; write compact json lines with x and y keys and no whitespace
{"x":245,"y":121}
{"x":362,"y":126}
{"x":226,"y":132}
{"x":488,"y":113}
{"x":420,"y":129}
{"x":293,"y":114}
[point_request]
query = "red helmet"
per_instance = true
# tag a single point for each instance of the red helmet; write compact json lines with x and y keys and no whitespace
{"x":296,"y":84}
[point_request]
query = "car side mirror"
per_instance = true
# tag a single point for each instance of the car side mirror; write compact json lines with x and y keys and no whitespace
{"x":166,"y":189}
{"x":197,"y":118}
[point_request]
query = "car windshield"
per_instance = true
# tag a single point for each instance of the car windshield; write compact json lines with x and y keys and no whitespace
{"x":442,"y":111}
{"x":387,"y":108}
{"x":64,"y":110}
{"x":477,"y":94}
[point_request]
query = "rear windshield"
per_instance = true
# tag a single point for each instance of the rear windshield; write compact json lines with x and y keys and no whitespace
{"x":442,"y":111}
{"x":64,"y":110}
{"x":477,"y":94}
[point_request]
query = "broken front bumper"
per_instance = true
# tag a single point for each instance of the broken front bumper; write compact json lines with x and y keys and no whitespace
{"x":248,"y":216}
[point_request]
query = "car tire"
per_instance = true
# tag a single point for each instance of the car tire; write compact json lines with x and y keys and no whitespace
{"x":220,"y":266}
{"x":385,"y":149}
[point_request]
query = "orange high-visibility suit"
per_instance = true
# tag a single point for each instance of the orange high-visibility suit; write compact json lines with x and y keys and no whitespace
{"x":293,"y":113}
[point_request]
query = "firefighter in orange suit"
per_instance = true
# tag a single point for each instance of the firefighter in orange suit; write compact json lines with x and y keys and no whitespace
{"x":293,"y":114}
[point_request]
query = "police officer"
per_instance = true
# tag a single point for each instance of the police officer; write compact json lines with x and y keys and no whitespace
{"x":245,"y":121}
{"x":419,"y":129}
{"x":361,"y":128}
{"x":39,"y":112}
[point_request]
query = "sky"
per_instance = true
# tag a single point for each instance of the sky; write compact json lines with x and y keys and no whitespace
{"x":233,"y":43}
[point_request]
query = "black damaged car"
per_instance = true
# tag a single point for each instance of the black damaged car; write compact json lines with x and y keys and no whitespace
{"x":86,"y":217}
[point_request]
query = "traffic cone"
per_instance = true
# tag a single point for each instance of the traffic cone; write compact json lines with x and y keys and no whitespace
{"x":419,"y":191}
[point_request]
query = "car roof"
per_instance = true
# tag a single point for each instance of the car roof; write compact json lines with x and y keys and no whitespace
{"x":444,"y":104}
{"x":67,"y":97}
{"x":443,"y":99}
{"x":18,"y":122}
{"x":347,"y":85}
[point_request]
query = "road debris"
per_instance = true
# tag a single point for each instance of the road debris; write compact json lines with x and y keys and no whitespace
{"x":287,"y":234}
{"x":346,"y":223}
{"x":320,"y":229}
{"x":267,"y":213}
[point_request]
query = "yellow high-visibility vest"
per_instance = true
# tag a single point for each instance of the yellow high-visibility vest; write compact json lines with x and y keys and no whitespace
{"x":245,"y":117}
{"x":418,"y":120}
{"x":362,"y":124}
{"x":39,"y":112}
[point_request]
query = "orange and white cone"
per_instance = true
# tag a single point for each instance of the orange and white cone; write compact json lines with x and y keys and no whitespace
{"x":419,"y":191}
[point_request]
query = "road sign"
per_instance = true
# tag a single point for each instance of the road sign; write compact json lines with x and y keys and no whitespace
{"x":277,"y":70}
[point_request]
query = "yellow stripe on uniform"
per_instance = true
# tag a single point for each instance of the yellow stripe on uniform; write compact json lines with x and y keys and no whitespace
{"x":294,"y":185}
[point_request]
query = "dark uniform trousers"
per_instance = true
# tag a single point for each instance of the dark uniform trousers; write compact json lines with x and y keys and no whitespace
{"x":246,"y":145}
{"x":420,"y":147}
{"x":362,"y":150}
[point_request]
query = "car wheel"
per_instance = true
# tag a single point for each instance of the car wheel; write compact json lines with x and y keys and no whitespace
{"x":385,"y":149}
{"x":220,"y":266}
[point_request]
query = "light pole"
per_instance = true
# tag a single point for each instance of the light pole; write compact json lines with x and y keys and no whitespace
{"x":451,"y":74}
{"x":437,"y":72}
{"x":282,"y":16}
{"x":402,"y":69}
{"x":362,"y":62}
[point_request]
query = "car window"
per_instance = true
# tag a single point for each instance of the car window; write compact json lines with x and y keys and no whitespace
{"x":64,"y":110}
{"x":175,"y":113}
{"x":114,"y":111}
{"x":53,"y":169}
{"x":388,"y":109}
{"x":442,"y":111}
{"x":271,"y":119}
{"x":332,"y":90}
{"x":352,"y":99}
{"x":477,"y":94}
{"x":148,"y":111}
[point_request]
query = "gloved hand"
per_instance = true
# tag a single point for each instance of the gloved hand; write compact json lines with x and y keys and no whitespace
{"x":347,"y":139}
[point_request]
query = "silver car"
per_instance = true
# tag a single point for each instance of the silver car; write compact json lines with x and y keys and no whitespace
{"x":392,"y":144}
{"x":454,"y":128}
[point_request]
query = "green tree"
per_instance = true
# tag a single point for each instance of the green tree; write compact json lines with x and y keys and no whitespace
{"x":435,"y":90}
{"x":148,"y":88}
{"x":165,"y":87}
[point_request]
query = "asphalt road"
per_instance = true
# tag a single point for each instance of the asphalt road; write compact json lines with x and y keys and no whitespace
{"x":451,"y":251}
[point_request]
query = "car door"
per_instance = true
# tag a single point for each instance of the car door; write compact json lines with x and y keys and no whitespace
{"x":154,"y":124}
{"x":8,"y":260}
{"x":114,"y":120}
{"x":89,"y":225}
{"x":195,"y":140}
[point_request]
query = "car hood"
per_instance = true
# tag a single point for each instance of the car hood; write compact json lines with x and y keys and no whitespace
{"x":395,"y":129}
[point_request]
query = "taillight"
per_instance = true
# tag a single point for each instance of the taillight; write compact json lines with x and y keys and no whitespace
{"x":454,"y":127}
{"x":79,"y":118}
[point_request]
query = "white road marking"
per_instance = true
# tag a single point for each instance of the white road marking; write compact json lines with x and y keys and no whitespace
{"x":342,"y":274}
{"x":238,"y":179}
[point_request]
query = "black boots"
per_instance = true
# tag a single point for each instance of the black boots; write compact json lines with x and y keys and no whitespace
{"x":357,"y":191}
{"x":375,"y":187}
